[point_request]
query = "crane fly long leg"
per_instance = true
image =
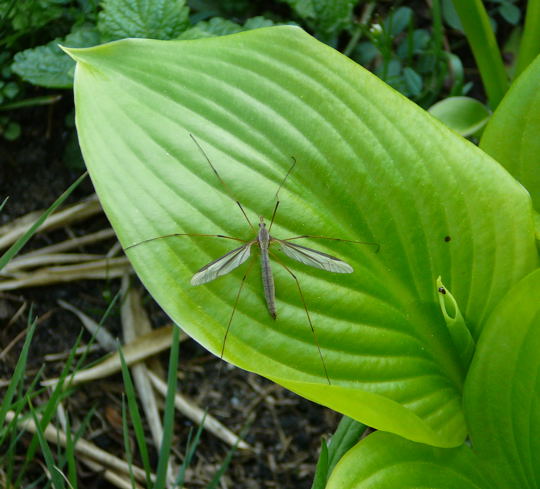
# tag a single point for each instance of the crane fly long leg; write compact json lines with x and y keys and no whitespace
{"x":234,"y":308}
{"x":308,"y":236}
{"x":183,"y":234}
{"x":307,"y":314}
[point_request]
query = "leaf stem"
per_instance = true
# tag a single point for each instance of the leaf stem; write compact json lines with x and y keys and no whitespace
{"x":475,"y":21}
{"x":357,"y":34}
{"x":530,"y":42}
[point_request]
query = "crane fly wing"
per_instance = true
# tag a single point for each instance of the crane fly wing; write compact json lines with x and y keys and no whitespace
{"x":222,"y":265}
{"x":314,"y":258}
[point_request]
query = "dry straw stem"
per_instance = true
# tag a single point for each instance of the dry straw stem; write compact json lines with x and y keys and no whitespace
{"x":113,"y":477}
{"x":97,"y":270}
{"x":102,"y":336}
{"x":135,"y":322}
{"x":71,"y":243}
{"x":83,"y":448}
{"x":140,"y":349}
{"x":50,"y":259}
{"x":84,"y":349}
{"x":196,"y":414}
{"x":12,"y":231}
{"x":143,"y":347}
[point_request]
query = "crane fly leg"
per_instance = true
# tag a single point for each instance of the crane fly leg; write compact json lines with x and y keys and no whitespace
{"x":309,"y":236}
{"x":174,"y":235}
{"x":307,"y":314}
{"x":234,"y":307}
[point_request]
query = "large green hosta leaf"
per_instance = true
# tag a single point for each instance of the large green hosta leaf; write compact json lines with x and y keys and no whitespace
{"x":371,"y":166}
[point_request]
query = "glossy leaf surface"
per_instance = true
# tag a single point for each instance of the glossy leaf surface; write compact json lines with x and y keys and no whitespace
{"x":503,"y":390}
{"x":371,"y":166}
{"x":511,"y":136}
{"x":502,"y":410}
{"x":385,"y":461}
{"x":464,"y":115}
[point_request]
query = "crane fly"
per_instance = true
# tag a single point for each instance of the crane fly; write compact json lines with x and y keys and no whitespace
{"x":236,"y":257}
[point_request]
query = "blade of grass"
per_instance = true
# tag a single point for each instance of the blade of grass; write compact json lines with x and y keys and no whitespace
{"x":64,"y":216}
{"x":48,"y":410}
{"x":39,"y":483}
{"x":70,"y":456}
{"x":3,"y":203}
{"x":18,"y":374}
{"x":102,"y":336}
{"x":83,"y":447}
{"x":32,"y":102}
{"x":135,"y":415}
{"x":127,"y":446}
{"x":438,"y":76}
{"x":321,"y":471}
{"x":530,"y":42}
{"x":56,"y":478}
{"x":136,"y":322}
{"x":168,"y":415}
{"x":16,"y":247}
{"x":70,"y":451}
{"x":11,"y":430}
{"x":6,"y":13}
{"x":188,"y":408}
{"x":347,"y":435}
{"x":475,"y":21}
{"x":191,"y":447}
{"x":213,"y":484}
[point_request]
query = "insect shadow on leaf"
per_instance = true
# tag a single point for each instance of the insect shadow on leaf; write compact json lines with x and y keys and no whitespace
{"x":263,"y":239}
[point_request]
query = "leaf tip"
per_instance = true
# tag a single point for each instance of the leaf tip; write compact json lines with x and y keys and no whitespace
{"x":71,"y":52}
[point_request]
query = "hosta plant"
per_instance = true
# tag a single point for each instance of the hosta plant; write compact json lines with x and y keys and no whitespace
{"x":428,"y":318}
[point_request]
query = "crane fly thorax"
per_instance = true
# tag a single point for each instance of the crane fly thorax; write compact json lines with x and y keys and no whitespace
{"x":263,"y":236}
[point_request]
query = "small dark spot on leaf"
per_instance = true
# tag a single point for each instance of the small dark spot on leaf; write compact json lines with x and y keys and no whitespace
{"x":447,"y":238}
{"x":442,"y":290}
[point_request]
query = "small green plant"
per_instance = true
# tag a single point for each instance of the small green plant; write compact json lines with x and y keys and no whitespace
{"x":409,"y":58}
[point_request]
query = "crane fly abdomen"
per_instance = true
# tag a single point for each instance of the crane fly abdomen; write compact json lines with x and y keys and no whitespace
{"x":263,"y":239}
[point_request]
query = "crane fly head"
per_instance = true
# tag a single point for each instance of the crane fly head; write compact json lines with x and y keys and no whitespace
{"x":262,"y":224}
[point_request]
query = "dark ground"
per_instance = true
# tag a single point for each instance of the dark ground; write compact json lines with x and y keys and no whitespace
{"x":285,"y":430}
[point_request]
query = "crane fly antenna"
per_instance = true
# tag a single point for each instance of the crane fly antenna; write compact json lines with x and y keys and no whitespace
{"x":279,"y":188}
{"x":273,"y":215}
{"x":225,"y":186}
{"x":286,"y":176}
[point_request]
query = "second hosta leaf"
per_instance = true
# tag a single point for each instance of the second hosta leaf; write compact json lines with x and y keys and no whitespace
{"x":371,"y":167}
